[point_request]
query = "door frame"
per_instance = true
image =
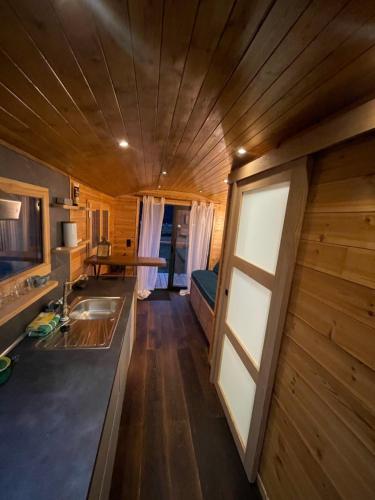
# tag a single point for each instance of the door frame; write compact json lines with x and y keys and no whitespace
{"x":279,"y":284}
{"x":171,"y":286}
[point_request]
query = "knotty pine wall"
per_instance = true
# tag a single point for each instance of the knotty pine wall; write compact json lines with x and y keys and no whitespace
{"x":217,"y":234}
{"x":125,"y":211}
{"x":123,"y":224}
{"x":124,"y":216}
{"x":320,"y":437}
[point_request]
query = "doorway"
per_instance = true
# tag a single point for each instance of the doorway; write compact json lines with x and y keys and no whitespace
{"x":174,"y":244}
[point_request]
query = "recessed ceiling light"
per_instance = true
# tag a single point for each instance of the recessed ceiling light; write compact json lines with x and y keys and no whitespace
{"x":164,"y":172}
{"x":159,"y":187}
{"x":123,"y":144}
{"x":241,"y":151}
{"x":200,"y":190}
{"x":226,"y":181}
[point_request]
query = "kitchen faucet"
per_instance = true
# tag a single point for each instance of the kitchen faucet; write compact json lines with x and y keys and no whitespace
{"x":67,"y":289}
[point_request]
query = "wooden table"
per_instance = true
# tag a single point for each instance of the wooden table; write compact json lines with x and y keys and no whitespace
{"x":123,"y":261}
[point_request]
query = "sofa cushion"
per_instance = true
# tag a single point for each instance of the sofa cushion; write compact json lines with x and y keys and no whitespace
{"x":206,"y":281}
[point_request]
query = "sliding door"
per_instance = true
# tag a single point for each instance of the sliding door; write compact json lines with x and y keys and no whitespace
{"x":260,"y":248}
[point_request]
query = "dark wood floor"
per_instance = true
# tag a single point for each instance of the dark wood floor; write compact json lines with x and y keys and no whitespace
{"x":174,"y":442}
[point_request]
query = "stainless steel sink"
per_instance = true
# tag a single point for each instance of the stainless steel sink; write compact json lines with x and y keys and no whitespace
{"x":95,"y":308}
{"x":91,"y":325}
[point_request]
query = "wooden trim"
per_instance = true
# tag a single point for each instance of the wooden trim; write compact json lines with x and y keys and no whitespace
{"x":230,"y":236}
{"x":260,"y":275}
{"x":218,"y":306}
{"x":280,"y":174}
{"x":10,"y":310}
{"x":236,"y":435}
{"x":332,"y":131}
{"x":202,"y":309}
{"x":262,"y":489}
{"x":296,"y":173}
{"x":173,"y":197}
{"x":242,"y":353}
{"x":25,"y":189}
{"x":80,"y":246}
{"x":224,"y":276}
{"x":277,"y":313}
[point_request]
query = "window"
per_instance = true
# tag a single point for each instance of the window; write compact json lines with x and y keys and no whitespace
{"x":105,"y":219}
{"x":21,"y":240}
{"x":25,"y":242}
{"x":95,"y":228}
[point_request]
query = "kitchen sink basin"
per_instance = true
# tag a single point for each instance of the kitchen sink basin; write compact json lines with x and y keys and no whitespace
{"x":95,"y":308}
{"x":92,"y":323}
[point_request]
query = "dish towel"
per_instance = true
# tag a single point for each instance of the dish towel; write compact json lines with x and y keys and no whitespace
{"x":43,"y":324}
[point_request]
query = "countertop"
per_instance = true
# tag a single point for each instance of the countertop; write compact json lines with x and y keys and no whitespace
{"x":53,"y":408}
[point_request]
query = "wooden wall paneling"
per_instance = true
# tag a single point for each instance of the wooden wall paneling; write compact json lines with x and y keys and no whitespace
{"x":217,"y":235}
{"x":348,"y":229}
{"x":27,"y":56}
{"x":126,"y":220}
{"x":186,"y":85}
{"x":244,"y":21}
{"x":296,"y":25}
{"x":348,"y":195}
{"x":330,"y":96}
{"x":326,"y":372}
{"x":207,"y":31}
{"x":11,"y":128}
{"x":285,"y":472}
{"x":347,"y":369}
{"x":290,"y":440}
{"x":33,"y":124}
{"x":339,"y":399}
{"x":178,"y":24}
{"x":59,"y":55}
{"x":146,"y":24}
{"x":333,"y":131}
{"x":332,"y":443}
{"x":349,"y":42}
{"x":79,"y":27}
{"x":353,"y":264}
{"x":335,"y":324}
{"x":281,"y":18}
{"x":114,"y":32}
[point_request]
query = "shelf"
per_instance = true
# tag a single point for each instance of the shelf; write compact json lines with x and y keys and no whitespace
{"x":8,"y":311}
{"x":79,"y":247}
{"x":70,"y":207}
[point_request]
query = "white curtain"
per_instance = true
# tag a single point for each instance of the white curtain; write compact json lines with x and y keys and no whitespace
{"x":200,"y":228}
{"x":149,"y":243}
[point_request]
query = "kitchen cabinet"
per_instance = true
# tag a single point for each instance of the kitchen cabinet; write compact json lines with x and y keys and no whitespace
{"x":102,"y":476}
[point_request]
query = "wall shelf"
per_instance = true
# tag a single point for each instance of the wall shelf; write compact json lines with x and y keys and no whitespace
{"x":8,"y":311}
{"x":79,"y":247}
{"x":70,"y":207}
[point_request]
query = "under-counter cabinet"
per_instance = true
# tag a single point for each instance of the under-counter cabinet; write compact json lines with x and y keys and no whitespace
{"x":102,"y":476}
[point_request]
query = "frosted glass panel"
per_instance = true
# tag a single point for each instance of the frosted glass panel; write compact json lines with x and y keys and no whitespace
{"x":261,"y":224}
{"x":238,"y":388}
{"x":247,"y":312}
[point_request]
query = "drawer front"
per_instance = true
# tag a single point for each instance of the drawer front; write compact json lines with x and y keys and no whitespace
{"x":206,"y":319}
{"x":195,"y":298}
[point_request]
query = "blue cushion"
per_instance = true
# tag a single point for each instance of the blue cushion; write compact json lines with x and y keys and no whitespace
{"x":216,"y":267}
{"x":206,"y":281}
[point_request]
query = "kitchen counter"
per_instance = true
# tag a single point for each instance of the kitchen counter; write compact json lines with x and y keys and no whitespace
{"x":53,"y":408}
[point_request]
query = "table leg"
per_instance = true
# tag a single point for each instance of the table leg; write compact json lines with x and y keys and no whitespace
{"x":123,"y":272}
{"x":97,"y":276}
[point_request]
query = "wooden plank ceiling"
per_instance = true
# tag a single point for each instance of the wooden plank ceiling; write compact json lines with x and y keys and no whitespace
{"x":186,"y":83}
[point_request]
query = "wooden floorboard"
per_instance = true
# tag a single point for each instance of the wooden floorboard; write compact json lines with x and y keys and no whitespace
{"x":174,"y":442}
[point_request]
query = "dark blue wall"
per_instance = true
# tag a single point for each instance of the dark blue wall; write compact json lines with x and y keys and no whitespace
{"x":18,"y":167}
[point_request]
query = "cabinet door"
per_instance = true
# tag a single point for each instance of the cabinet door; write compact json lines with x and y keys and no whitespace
{"x":260,"y":248}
